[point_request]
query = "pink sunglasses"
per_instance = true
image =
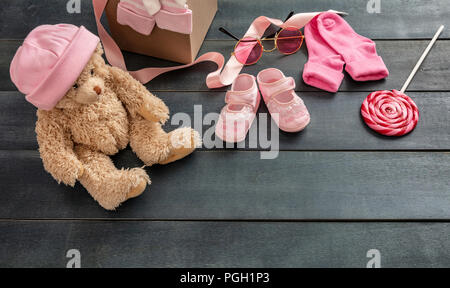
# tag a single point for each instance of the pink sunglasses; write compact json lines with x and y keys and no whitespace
{"x":249,"y":50}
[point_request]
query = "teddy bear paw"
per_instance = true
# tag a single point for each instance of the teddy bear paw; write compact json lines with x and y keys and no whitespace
{"x":155,"y":110}
{"x":138,"y":190}
{"x":141,"y":181}
{"x":183,"y":142}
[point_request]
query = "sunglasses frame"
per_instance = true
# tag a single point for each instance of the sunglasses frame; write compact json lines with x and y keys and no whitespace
{"x":275,"y":39}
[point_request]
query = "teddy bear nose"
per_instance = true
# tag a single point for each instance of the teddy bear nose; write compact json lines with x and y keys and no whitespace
{"x":98,"y":90}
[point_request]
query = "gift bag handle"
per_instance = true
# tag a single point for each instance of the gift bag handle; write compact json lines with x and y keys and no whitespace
{"x":223,"y":76}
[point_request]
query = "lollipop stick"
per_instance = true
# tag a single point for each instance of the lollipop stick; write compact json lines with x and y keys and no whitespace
{"x":424,"y":55}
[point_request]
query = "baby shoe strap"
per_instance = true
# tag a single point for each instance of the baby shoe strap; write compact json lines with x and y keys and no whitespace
{"x":241,"y":97}
{"x":278,"y":87}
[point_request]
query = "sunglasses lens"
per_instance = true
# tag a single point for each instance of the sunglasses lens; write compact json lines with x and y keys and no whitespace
{"x":248,"y":51}
{"x":289,"y":40}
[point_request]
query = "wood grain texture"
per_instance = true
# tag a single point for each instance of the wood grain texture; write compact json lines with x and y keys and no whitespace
{"x":223,"y":244}
{"x":239,"y":185}
{"x":278,"y":209}
{"x":398,"y":19}
{"x":336,"y":123}
{"x":399,"y":56}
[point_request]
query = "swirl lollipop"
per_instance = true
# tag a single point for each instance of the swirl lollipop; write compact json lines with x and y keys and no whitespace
{"x":390,"y":113}
{"x":393,"y":113}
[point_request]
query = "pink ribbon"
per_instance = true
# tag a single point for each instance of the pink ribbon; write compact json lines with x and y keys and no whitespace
{"x":223,"y":76}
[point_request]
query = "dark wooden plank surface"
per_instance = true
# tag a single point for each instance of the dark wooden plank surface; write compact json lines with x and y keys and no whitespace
{"x":239,"y":185}
{"x":433,"y":75}
{"x":289,"y":197}
{"x":335,"y":124}
{"x":399,"y":19}
{"x":223,"y":244}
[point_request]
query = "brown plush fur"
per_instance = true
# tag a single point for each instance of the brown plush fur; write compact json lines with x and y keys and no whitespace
{"x":105,"y":111}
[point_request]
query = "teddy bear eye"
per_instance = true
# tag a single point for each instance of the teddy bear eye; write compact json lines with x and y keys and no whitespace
{"x":75,"y":86}
{"x":92,"y":71}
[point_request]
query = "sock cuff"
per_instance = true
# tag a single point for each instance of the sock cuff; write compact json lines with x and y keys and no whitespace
{"x":369,"y":69}
{"x":322,"y":77}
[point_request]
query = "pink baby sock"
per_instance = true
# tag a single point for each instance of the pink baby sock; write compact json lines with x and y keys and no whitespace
{"x":152,"y":6}
{"x":359,"y":53}
{"x":174,"y":6}
{"x":324,"y":67}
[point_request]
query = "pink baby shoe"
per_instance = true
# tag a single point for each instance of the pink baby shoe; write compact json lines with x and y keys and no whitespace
{"x":285,"y":107}
{"x":237,"y":116}
{"x":175,"y":16}
{"x":137,"y":15}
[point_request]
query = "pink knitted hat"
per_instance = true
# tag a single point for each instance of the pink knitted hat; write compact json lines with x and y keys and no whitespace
{"x":49,"y":62}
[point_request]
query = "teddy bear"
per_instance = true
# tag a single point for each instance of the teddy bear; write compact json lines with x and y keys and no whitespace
{"x":88,"y":111}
